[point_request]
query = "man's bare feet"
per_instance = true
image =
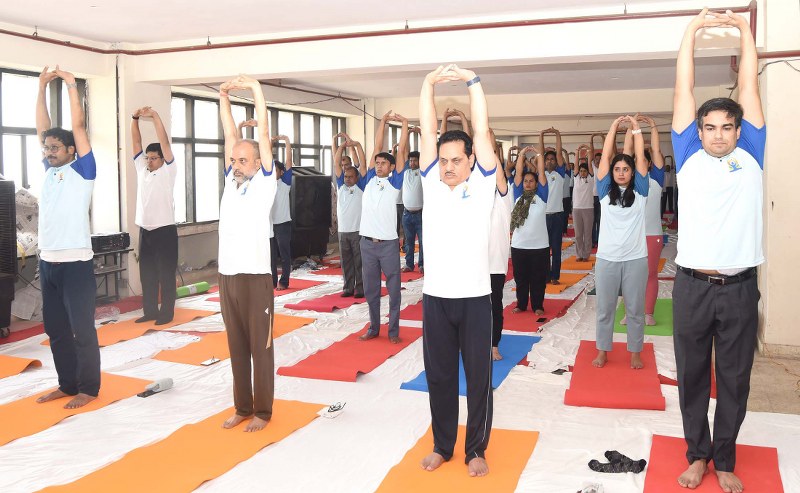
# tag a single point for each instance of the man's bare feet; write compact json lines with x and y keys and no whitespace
{"x":478,"y":467}
{"x":600,"y":360}
{"x":517,"y":310}
{"x":693,"y":475}
{"x":56,"y":394}
{"x":233,"y":421}
{"x":256,"y":424}
{"x":729,"y":482}
{"x":79,"y":400}
{"x":432,"y":461}
{"x":496,"y":356}
{"x":539,"y":312}
{"x":636,"y":361}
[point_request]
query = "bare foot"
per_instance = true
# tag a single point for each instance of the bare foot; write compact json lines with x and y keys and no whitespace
{"x":432,"y":461}
{"x":636,"y":361}
{"x":600,"y":360}
{"x":729,"y":482}
{"x":79,"y":400}
{"x":517,"y":310}
{"x":539,"y":312}
{"x":496,"y":356}
{"x":56,"y":394}
{"x":256,"y":424}
{"x":478,"y":467}
{"x":233,"y":421}
{"x":693,"y":475}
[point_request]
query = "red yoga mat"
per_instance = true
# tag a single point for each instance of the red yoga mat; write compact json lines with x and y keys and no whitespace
{"x":337,"y":271}
{"x":412,"y":312}
{"x":344,"y":360}
{"x":757,"y":467}
{"x":616,"y":385}
{"x":329,"y":302}
{"x":669,"y":381}
{"x":527,"y":321}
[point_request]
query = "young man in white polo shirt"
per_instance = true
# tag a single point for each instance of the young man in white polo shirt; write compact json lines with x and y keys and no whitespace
{"x":65,"y":248}
{"x":281,"y":242}
{"x":555,"y":170}
{"x":458,"y":189}
{"x":719,"y":157}
{"x":348,"y":210}
{"x":155,"y":216}
{"x":412,"y":212}
{"x":245,"y":280}
{"x":379,"y":239}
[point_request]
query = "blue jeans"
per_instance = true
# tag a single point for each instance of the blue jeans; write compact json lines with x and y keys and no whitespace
{"x":412,"y":228}
{"x":555,"y":228}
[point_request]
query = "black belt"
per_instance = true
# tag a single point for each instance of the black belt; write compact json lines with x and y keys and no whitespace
{"x":418,"y":211}
{"x":720,"y":279}
{"x":373,"y":240}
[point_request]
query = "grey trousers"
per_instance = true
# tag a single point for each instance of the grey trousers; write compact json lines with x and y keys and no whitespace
{"x":630,"y":277}
{"x":583,"y":219}
{"x":350,"y":251}
{"x":377,"y":257}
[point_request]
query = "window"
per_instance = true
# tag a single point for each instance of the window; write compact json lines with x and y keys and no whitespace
{"x":20,"y":148}
{"x":198,"y":146}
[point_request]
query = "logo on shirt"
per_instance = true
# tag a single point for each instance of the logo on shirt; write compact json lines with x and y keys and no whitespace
{"x":465,"y":193}
{"x":59,"y":175}
{"x":733,"y":165}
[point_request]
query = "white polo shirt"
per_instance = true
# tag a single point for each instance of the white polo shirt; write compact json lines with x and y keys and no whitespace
{"x":155,"y":192}
{"x":652,"y":211}
{"x":721,"y":201}
{"x":379,"y":205}
{"x":532,"y":234}
{"x":622,"y":228}
{"x":348,"y":206}
{"x":412,"y":189}
{"x":455,"y":225}
{"x":500,"y":232}
{"x":555,"y":185}
{"x":567,"y":183}
{"x":583,"y":192}
{"x":244,"y":225}
{"x":280,"y":208}
{"x":669,"y":178}
{"x":595,"y":180}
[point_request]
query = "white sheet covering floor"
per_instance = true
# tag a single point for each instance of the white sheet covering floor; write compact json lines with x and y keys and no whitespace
{"x":353,"y":452}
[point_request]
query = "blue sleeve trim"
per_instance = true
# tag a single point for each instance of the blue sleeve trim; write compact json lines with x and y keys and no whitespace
{"x":362,"y":181}
{"x":169,"y":162}
{"x":641,"y":184}
{"x":501,"y":193}
{"x":86,"y":166}
{"x":424,"y":171}
{"x":46,"y":164}
{"x":137,"y":155}
{"x":543,"y":191}
{"x":483,"y":171}
{"x":561,"y":170}
{"x":263,"y":171}
{"x":685,"y":144}
{"x":340,"y":180}
{"x":287,"y":177}
{"x":396,"y":179}
{"x":753,"y":140}
{"x":516,"y":190}
{"x":226,"y":170}
{"x":603,"y":186}
{"x":657,"y":174}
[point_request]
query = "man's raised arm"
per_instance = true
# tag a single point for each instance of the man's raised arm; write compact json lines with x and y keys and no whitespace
{"x":747,"y":80}
{"x":482,"y":142}
{"x":229,"y":130}
{"x":427,"y":117}
{"x":402,"y":145}
{"x":82,"y":146}
{"x":380,"y":136}
{"x":42,"y":115}
{"x":136,"y":134}
{"x":161,"y":133}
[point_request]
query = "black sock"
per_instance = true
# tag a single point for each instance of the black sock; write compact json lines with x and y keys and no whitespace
{"x":626,"y":463}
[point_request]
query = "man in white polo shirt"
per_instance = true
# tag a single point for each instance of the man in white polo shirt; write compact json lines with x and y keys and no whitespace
{"x":412,"y":213}
{"x":245,"y":277}
{"x":458,"y":189}
{"x":379,"y":239}
{"x":719,"y":157}
{"x":281,"y":217}
{"x":65,"y":248}
{"x":555,"y":169}
{"x":348,"y":210}
{"x":155,"y":216}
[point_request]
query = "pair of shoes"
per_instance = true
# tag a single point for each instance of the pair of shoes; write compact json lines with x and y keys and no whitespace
{"x":407,"y":269}
{"x":394,"y":340}
{"x":369,"y":335}
{"x":617,"y":463}
{"x":649,"y":319}
{"x":144,"y":319}
{"x":358,"y":295}
{"x":624,"y":320}
{"x":163,"y":321}
{"x":347,"y":294}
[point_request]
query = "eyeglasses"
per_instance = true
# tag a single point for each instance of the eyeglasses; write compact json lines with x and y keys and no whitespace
{"x":152,"y":159}
{"x":51,"y":148}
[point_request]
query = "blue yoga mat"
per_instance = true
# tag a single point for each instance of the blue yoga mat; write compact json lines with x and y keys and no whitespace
{"x":512,"y":347}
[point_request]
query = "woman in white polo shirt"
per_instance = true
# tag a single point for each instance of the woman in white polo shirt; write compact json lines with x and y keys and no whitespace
{"x":583,"y":206}
{"x":622,"y":250}
{"x":530,"y":245}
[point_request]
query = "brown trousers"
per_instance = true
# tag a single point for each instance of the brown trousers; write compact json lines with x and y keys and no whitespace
{"x":248,"y":302}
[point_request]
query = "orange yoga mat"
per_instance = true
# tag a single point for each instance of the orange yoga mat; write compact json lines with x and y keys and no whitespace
{"x":215,"y":344}
{"x":571,"y":263}
{"x":566,"y":244}
{"x":508,"y":453}
{"x":567,"y":280}
{"x":757,"y":467}
{"x":661,"y":263}
{"x":128,"y":329}
{"x":12,"y":365}
{"x":193,"y":454}
{"x":26,"y":417}
{"x":616,"y":385}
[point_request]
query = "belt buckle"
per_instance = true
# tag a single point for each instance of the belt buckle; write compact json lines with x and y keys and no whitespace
{"x":716,"y":280}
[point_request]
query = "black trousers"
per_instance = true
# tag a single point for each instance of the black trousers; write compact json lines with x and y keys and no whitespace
{"x":281,"y":244}
{"x":567,"y":201}
{"x":158,"y":259}
{"x":498,"y":282}
{"x":596,"y":225}
{"x":531,"y":269}
{"x":450,"y":325}
{"x":555,"y":229}
{"x":726,"y":317}
{"x":68,"y":292}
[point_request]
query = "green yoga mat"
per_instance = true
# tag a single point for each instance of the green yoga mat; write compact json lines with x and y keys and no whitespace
{"x":663,"y":316}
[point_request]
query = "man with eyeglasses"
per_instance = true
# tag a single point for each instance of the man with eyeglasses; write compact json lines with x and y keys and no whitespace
{"x":65,"y":248}
{"x":155,"y":216}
